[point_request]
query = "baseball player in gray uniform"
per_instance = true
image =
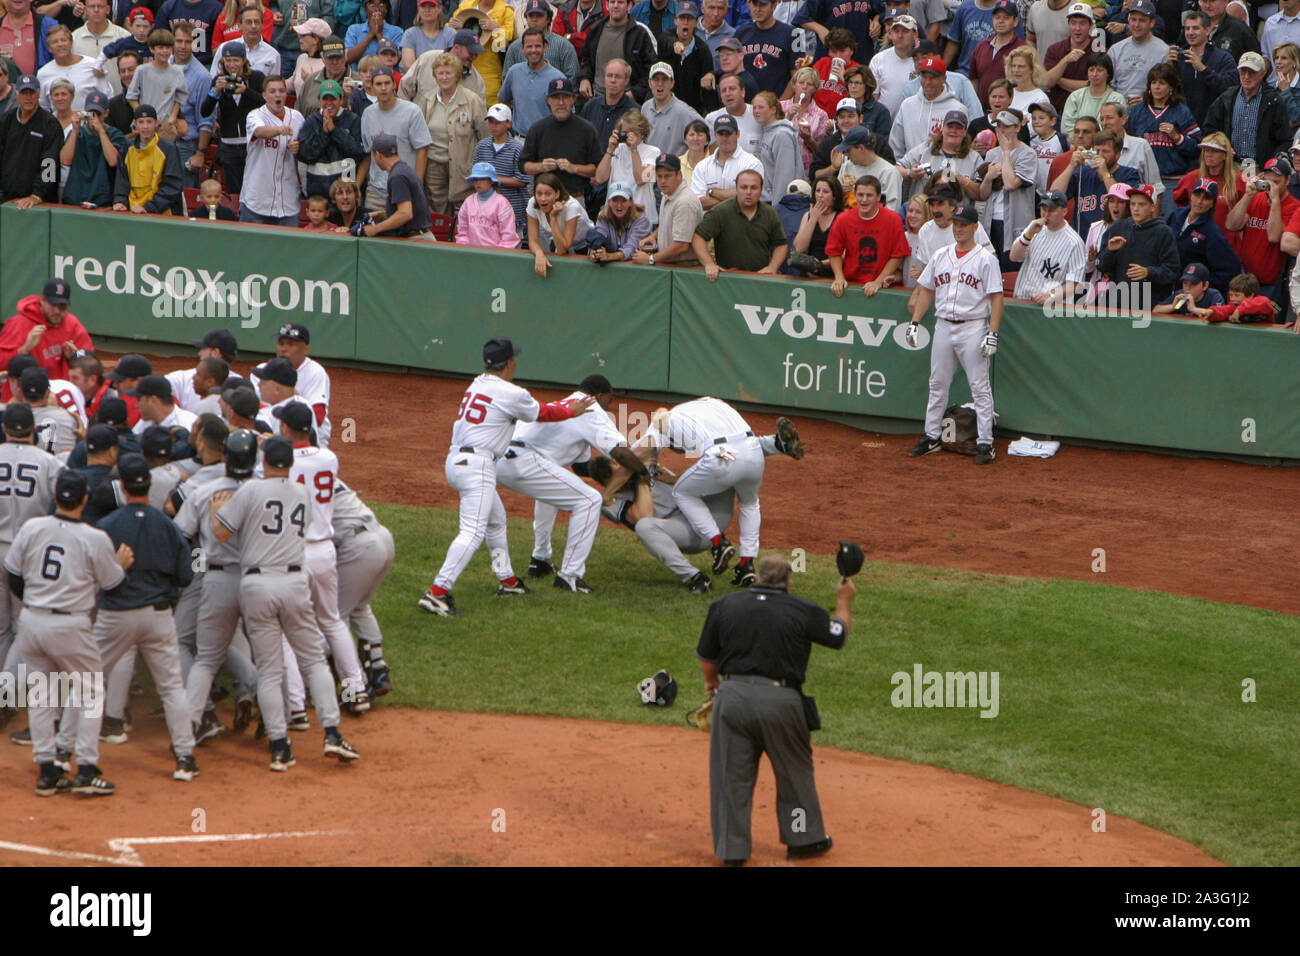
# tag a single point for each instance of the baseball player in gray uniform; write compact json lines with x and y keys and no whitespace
{"x":271,"y":516}
{"x":729,"y":458}
{"x":27,"y":476}
{"x":964,"y":281}
{"x":56,"y":427}
{"x":365,"y":556}
{"x":56,"y":566}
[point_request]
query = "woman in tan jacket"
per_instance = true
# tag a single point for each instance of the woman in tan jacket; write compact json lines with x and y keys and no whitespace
{"x":457,"y":120}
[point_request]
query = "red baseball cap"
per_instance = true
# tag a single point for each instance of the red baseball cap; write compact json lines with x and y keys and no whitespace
{"x":1146,"y":189}
{"x":932,"y":64}
{"x":140,"y":12}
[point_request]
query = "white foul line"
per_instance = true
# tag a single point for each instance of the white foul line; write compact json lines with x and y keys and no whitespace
{"x":66,"y":854}
{"x":127,"y":855}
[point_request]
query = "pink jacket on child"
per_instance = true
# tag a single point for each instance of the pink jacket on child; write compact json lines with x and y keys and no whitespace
{"x":489,"y":223}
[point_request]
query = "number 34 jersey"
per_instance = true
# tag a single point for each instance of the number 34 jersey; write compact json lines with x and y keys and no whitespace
{"x":27,"y":476}
{"x":63,"y":564}
{"x":488,"y":411}
{"x":271,"y":516}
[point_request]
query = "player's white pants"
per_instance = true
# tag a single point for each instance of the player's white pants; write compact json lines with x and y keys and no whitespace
{"x":959,"y":342}
{"x":482,"y":515}
{"x":713,"y":474}
{"x":538,"y":477}
{"x":323,"y":579}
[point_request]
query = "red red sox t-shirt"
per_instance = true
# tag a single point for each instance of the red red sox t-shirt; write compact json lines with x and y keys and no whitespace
{"x":1257,"y":254}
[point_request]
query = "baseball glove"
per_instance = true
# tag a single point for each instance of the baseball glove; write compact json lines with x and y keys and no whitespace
{"x":600,"y":469}
{"x":700,"y":716}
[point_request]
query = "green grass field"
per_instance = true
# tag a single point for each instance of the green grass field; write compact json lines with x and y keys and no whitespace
{"x":1114,"y":698}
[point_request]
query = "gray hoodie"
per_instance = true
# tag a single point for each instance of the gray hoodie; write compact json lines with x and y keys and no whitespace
{"x":782,"y":162}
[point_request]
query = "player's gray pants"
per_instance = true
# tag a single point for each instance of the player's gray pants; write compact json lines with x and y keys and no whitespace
{"x":62,"y":642}
{"x":750,"y":719}
{"x":365,"y":557}
{"x":10,"y":607}
{"x":323,"y":580}
{"x":276,"y":603}
{"x":153,"y":632}
{"x":474,"y":477}
{"x":670,"y":538}
{"x":119,"y":679}
{"x":187,"y":622}
{"x":215,"y":623}
{"x":713,"y":474}
{"x":555,"y":488}
{"x":959,"y":342}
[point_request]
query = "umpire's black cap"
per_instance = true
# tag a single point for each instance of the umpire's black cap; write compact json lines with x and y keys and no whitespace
{"x":70,"y":487}
{"x":134,"y":472}
{"x":18,"y":420}
{"x":498,"y":351}
{"x":278,"y":452}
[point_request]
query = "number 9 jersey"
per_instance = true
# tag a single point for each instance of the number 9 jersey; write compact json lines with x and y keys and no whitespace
{"x":270,"y":515}
{"x":488,"y":412}
{"x":315,"y":469}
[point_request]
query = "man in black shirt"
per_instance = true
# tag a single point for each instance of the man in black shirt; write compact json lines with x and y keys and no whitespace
{"x":30,"y":140}
{"x":756,"y":643}
{"x":407,"y":210}
{"x":564,"y":144}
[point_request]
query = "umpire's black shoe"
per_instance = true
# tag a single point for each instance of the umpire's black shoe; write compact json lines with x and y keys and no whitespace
{"x":745,"y":575}
{"x":984,"y":454}
{"x":808,"y":850}
{"x":540,"y":568}
{"x":572,"y":583}
{"x":926,"y":446}
{"x":723,"y":552}
{"x":700,"y":584}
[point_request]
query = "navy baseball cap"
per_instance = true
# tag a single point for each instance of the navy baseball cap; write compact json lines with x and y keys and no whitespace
{"x":1196,"y":272}
{"x":145,"y":111}
{"x":134,"y":472}
{"x":668,"y":161}
{"x":560,"y":86}
{"x":28,"y":84}
{"x":112,"y":412}
{"x":96,"y":102}
{"x":235,"y":48}
{"x":385,"y":144}
{"x":18,"y":363}
{"x":296,"y":415}
{"x":295,"y":331}
{"x":130,"y":366}
{"x":537,"y":6}
{"x":386,"y":46}
{"x":383,"y":71}
{"x":100,"y":437}
{"x":688,"y":9}
{"x":18,"y":419}
{"x":155,"y":385}
{"x":498,"y":350}
{"x":70,"y":487}
{"x":34,"y":382}
{"x":278,"y":370}
{"x":156,"y":442}
{"x":467,"y":39}
{"x":1053,"y":199}
{"x":731,"y":43}
{"x":57,"y":292}
{"x":1207,"y":186}
{"x":1007,"y":6}
{"x":966,"y":213}
{"x":726,"y":123}
{"x":1144,"y":8}
{"x":278,"y":452}
{"x":858,"y":136}
{"x":218,"y":339}
{"x":243,"y":401}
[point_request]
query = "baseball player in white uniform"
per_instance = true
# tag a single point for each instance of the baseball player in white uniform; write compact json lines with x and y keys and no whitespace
{"x":484,"y":425}
{"x":56,"y":566}
{"x":218,"y":344}
{"x":271,"y":516}
{"x":1054,"y":257}
{"x":937,"y":231}
{"x":365,"y":556}
{"x":730,"y":457}
{"x":536,"y":465}
{"x":312,"y":384}
{"x":69,"y":397}
{"x":964,"y":281}
{"x":317,"y":469}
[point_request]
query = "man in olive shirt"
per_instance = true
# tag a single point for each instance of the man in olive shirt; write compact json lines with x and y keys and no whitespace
{"x":746,"y":233}
{"x":753,"y":652}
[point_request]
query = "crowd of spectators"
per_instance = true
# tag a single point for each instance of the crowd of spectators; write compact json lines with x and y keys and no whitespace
{"x":807,"y":138}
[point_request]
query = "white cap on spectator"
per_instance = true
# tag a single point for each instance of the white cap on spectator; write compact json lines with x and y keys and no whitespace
{"x":500,"y":112}
{"x":848,"y":103}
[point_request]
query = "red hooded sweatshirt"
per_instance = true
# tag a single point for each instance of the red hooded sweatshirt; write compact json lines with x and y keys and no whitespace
{"x":49,"y":350}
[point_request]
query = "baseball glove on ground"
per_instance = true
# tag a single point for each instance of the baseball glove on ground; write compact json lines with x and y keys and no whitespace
{"x":700,"y":716}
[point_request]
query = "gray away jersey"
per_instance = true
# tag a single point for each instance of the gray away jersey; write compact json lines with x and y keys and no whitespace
{"x":27,"y":476}
{"x":195,"y":521}
{"x":63,"y":563}
{"x":270,"y":515}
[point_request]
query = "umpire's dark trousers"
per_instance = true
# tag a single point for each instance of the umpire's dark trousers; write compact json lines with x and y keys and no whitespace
{"x":753,"y":716}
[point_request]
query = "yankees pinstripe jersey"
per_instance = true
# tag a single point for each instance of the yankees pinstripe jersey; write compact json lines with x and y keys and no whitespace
{"x":963,"y":283}
{"x":1051,"y":258}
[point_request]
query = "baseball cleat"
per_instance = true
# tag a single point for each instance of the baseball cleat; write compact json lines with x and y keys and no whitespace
{"x":90,"y":784}
{"x":700,"y":584}
{"x":540,"y":568}
{"x":518,"y":587}
{"x":63,"y":760}
{"x":281,"y":755}
{"x":336,"y":746}
{"x":439,"y":604}
{"x":723,"y":552}
{"x":51,"y":781}
{"x":112,"y":731}
{"x":243,"y":716}
{"x":566,"y":582}
{"x":23,"y":738}
{"x":298,"y":720}
{"x":984,"y":454}
{"x":359,"y":704}
{"x":808,"y":850}
{"x":745,"y":575}
{"x":208,"y":727}
{"x":186,"y":769}
{"x":925,"y":446}
{"x":381,"y":682}
{"x":787,"y":439}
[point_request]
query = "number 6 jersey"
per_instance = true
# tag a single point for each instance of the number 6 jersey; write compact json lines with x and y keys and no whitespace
{"x":270,"y":515}
{"x":63,"y":564}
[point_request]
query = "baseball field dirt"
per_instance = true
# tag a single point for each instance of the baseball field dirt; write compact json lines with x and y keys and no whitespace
{"x":432,"y":783}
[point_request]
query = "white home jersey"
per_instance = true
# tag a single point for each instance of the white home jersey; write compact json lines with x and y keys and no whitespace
{"x":179,"y":417}
{"x":313,"y":389}
{"x":317,"y":469}
{"x":695,"y":427}
{"x":69,"y":398}
{"x":488,"y":412}
{"x":270,"y":171}
{"x":962,"y":284}
{"x":64,"y":564}
{"x":182,"y":383}
{"x":570,"y":441}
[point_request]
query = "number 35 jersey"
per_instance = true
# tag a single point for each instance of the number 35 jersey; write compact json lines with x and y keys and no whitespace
{"x":488,"y":411}
{"x":271,"y":516}
{"x":63,"y":564}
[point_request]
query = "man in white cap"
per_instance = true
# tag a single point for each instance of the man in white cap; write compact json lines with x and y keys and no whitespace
{"x":667,"y":115}
{"x":1253,"y":117}
{"x":892,"y":66}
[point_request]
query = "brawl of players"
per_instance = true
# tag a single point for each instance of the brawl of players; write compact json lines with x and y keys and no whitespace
{"x":196,"y":519}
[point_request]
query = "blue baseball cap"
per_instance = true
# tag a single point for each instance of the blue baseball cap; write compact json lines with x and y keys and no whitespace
{"x":483,"y":170}
{"x":28,"y":83}
{"x":235,"y":48}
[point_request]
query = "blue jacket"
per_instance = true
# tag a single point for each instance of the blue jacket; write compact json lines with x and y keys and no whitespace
{"x":791,"y":208}
{"x":1172,"y":160}
{"x":1203,"y":241}
{"x":163,"y":564}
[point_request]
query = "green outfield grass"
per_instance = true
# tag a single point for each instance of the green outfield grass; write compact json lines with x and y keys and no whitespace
{"x":1114,"y":698}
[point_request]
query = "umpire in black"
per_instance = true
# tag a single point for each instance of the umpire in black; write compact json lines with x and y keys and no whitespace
{"x":753,"y":651}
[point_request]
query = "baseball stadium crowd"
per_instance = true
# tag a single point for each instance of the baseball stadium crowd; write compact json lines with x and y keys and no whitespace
{"x":224,"y":504}
{"x":1137,"y":152}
